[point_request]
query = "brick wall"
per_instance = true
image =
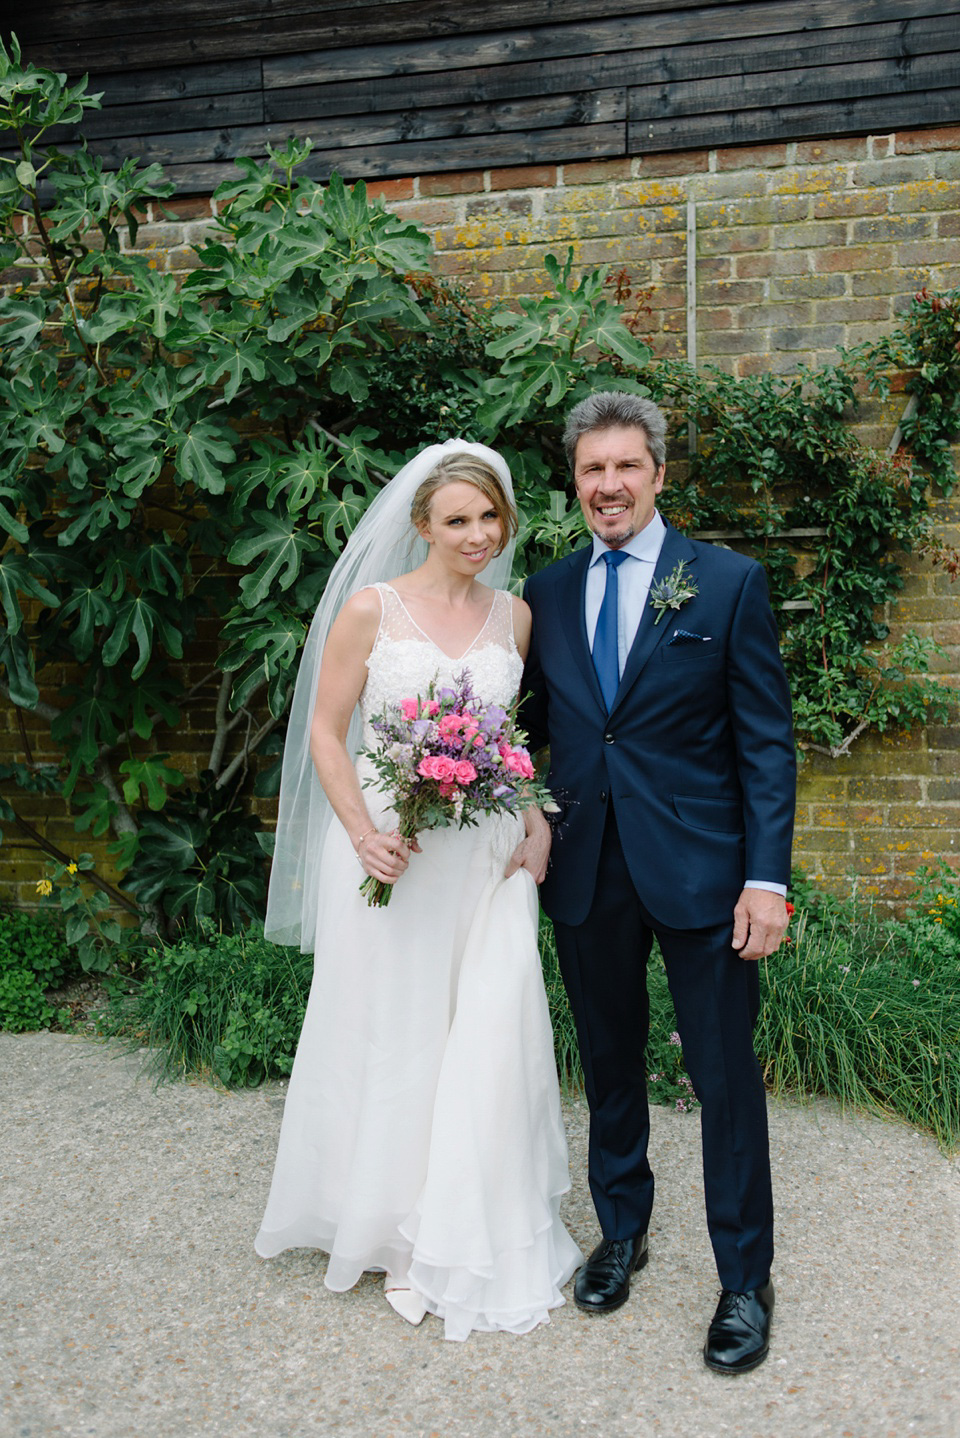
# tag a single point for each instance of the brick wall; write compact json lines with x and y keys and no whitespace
{"x":800,"y":248}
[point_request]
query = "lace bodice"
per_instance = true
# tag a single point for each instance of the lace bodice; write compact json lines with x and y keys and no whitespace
{"x":404,"y":659}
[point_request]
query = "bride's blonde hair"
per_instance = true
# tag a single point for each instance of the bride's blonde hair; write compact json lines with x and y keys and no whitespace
{"x":466,"y":468}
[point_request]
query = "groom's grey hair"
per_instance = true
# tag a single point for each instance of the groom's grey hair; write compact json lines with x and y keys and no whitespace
{"x":614,"y":408}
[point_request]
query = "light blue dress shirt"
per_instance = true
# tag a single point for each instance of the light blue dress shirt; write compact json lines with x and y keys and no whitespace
{"x":634,"y":580}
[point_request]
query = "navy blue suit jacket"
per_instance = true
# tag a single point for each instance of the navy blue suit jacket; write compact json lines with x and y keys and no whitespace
{"x":696,"y":756}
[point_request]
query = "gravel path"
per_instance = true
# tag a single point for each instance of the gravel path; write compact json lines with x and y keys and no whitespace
{"x":131,"y":1301}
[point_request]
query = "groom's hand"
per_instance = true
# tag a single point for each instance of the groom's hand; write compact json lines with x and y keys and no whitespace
{"x":759,"y":923}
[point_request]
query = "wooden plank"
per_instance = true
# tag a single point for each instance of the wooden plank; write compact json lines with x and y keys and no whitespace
{"x":132,"y":87}
{"x":196,"y":146}
{"x":174,"y":41}
{"x":793,"y":122}
{"x":196,"y":112}
{"x":782,"y":86}
{"x":661,"y":65}
{"x":91,"y":19}
{"x":581,"y":142}
{"x":610,"y":35}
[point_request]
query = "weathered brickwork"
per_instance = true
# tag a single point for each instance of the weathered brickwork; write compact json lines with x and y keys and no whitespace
{"x":800,"y":248}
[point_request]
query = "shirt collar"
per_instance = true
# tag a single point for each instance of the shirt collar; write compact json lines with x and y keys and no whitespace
{"x":646,"y":545}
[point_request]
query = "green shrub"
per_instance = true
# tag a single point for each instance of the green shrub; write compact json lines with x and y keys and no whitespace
{"x":34,"y":957}
{"x":856,"y":1006}
{"x":228,"y":1006}
{"x":866,"y":1009}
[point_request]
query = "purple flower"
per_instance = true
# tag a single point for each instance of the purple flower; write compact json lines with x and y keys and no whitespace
{"x":494,"y":719}
{"x":675,"y":1039}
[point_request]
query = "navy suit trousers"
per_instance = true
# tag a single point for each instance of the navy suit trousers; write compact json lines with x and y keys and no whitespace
{"x":716,"y":997}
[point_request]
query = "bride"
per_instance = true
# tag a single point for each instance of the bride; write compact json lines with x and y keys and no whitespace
{"x":422,"y":1134}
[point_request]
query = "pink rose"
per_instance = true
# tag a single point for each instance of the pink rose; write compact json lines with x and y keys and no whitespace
{"x":519,"y":763}
{"x":464,"y":772}
{"x":478,"y":742}
{"x":430,"y":707}
{"x":408,"y":708}
{"x":449,"y":725}
{"x":447,"y":790}
{"x":438,"y":767}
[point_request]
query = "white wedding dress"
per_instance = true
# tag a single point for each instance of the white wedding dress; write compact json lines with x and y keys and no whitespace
{"x":422,"y":1132}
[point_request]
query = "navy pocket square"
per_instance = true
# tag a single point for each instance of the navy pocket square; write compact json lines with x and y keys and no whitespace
{"x":686,"y":636}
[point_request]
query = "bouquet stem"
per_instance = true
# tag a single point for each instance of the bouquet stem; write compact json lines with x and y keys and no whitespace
{"x":377,"y":892}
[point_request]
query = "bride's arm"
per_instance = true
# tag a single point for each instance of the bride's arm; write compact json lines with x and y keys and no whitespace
{"x":343,"y":672}
{"x":533,"y":852}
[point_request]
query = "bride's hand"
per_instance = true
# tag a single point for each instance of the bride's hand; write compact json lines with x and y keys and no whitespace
{"x":533,"y":853}
{"x":384,"y":856}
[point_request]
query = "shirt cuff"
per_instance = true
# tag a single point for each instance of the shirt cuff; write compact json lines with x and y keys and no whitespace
{"x":780,"y":889}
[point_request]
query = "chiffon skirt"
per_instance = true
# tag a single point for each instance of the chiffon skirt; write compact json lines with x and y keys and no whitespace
{"x":422,"y":1132}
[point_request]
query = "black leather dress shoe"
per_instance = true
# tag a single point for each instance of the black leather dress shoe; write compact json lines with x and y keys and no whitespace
{"x":603,"y":1282}
{"x":739,"y":1336}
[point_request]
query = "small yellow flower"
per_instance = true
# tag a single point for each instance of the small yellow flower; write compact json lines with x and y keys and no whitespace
{"x":71,"y":868}
{"x":44,"y":887}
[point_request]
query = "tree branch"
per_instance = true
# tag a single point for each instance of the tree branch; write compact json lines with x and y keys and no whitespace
{"x":47,"y":847}
{"x":318,"y":428}
{"x":838,"y":751}
{"x":44,"y":711}
{"x":250,"y":747}
{"x":222,"y":725}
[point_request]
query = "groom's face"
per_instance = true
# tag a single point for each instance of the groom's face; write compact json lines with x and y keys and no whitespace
{"x":617,"y":482}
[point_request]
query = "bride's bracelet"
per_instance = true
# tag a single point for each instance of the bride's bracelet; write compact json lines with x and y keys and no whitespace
{"x":360,"y":844}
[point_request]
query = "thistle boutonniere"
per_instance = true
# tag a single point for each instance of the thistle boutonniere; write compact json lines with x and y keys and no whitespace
{"x":673,"y":590}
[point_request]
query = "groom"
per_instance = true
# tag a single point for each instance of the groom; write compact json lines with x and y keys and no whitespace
{"x":655,"y":677}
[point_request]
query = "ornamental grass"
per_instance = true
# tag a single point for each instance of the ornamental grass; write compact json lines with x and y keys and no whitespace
{"x":857,"y":1006}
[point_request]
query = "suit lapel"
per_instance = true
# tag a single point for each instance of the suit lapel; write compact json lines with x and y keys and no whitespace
{"x":570,"y":600}
{"x":649,"y":634}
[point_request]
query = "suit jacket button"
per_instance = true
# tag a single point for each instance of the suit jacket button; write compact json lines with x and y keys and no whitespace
{"x":608,"y":738}
{"x":603,"y":796}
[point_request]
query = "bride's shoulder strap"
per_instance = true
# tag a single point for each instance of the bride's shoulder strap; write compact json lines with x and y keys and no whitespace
{"x":500,"y":624}
{"x":395,"y":622}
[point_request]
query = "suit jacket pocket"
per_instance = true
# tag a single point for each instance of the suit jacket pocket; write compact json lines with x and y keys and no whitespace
{"x":724,"y":816}
{"x":702,"y":650}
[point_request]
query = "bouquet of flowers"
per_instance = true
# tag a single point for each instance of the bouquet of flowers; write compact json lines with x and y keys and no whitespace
{"x":446,"y":758}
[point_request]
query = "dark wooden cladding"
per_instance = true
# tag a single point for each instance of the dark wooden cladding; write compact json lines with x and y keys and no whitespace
{"x":738,"y":60}
{"x":751,"y":127}
{"x":558,"y":112}
{"x":702,"y":27}
{"x":402,"y":87}
{"x":97,"y":36}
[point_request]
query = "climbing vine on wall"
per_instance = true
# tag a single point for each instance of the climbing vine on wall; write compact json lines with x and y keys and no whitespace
{"x":188,"y":460}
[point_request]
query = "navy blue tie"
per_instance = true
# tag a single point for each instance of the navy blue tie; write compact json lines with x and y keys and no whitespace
{"x":606,"y":648}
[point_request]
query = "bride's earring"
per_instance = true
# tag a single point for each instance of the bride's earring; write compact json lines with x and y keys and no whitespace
{"x":405,"y":1301}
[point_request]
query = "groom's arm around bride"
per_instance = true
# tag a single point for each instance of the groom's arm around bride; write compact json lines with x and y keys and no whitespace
{"x":655,"y":677}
